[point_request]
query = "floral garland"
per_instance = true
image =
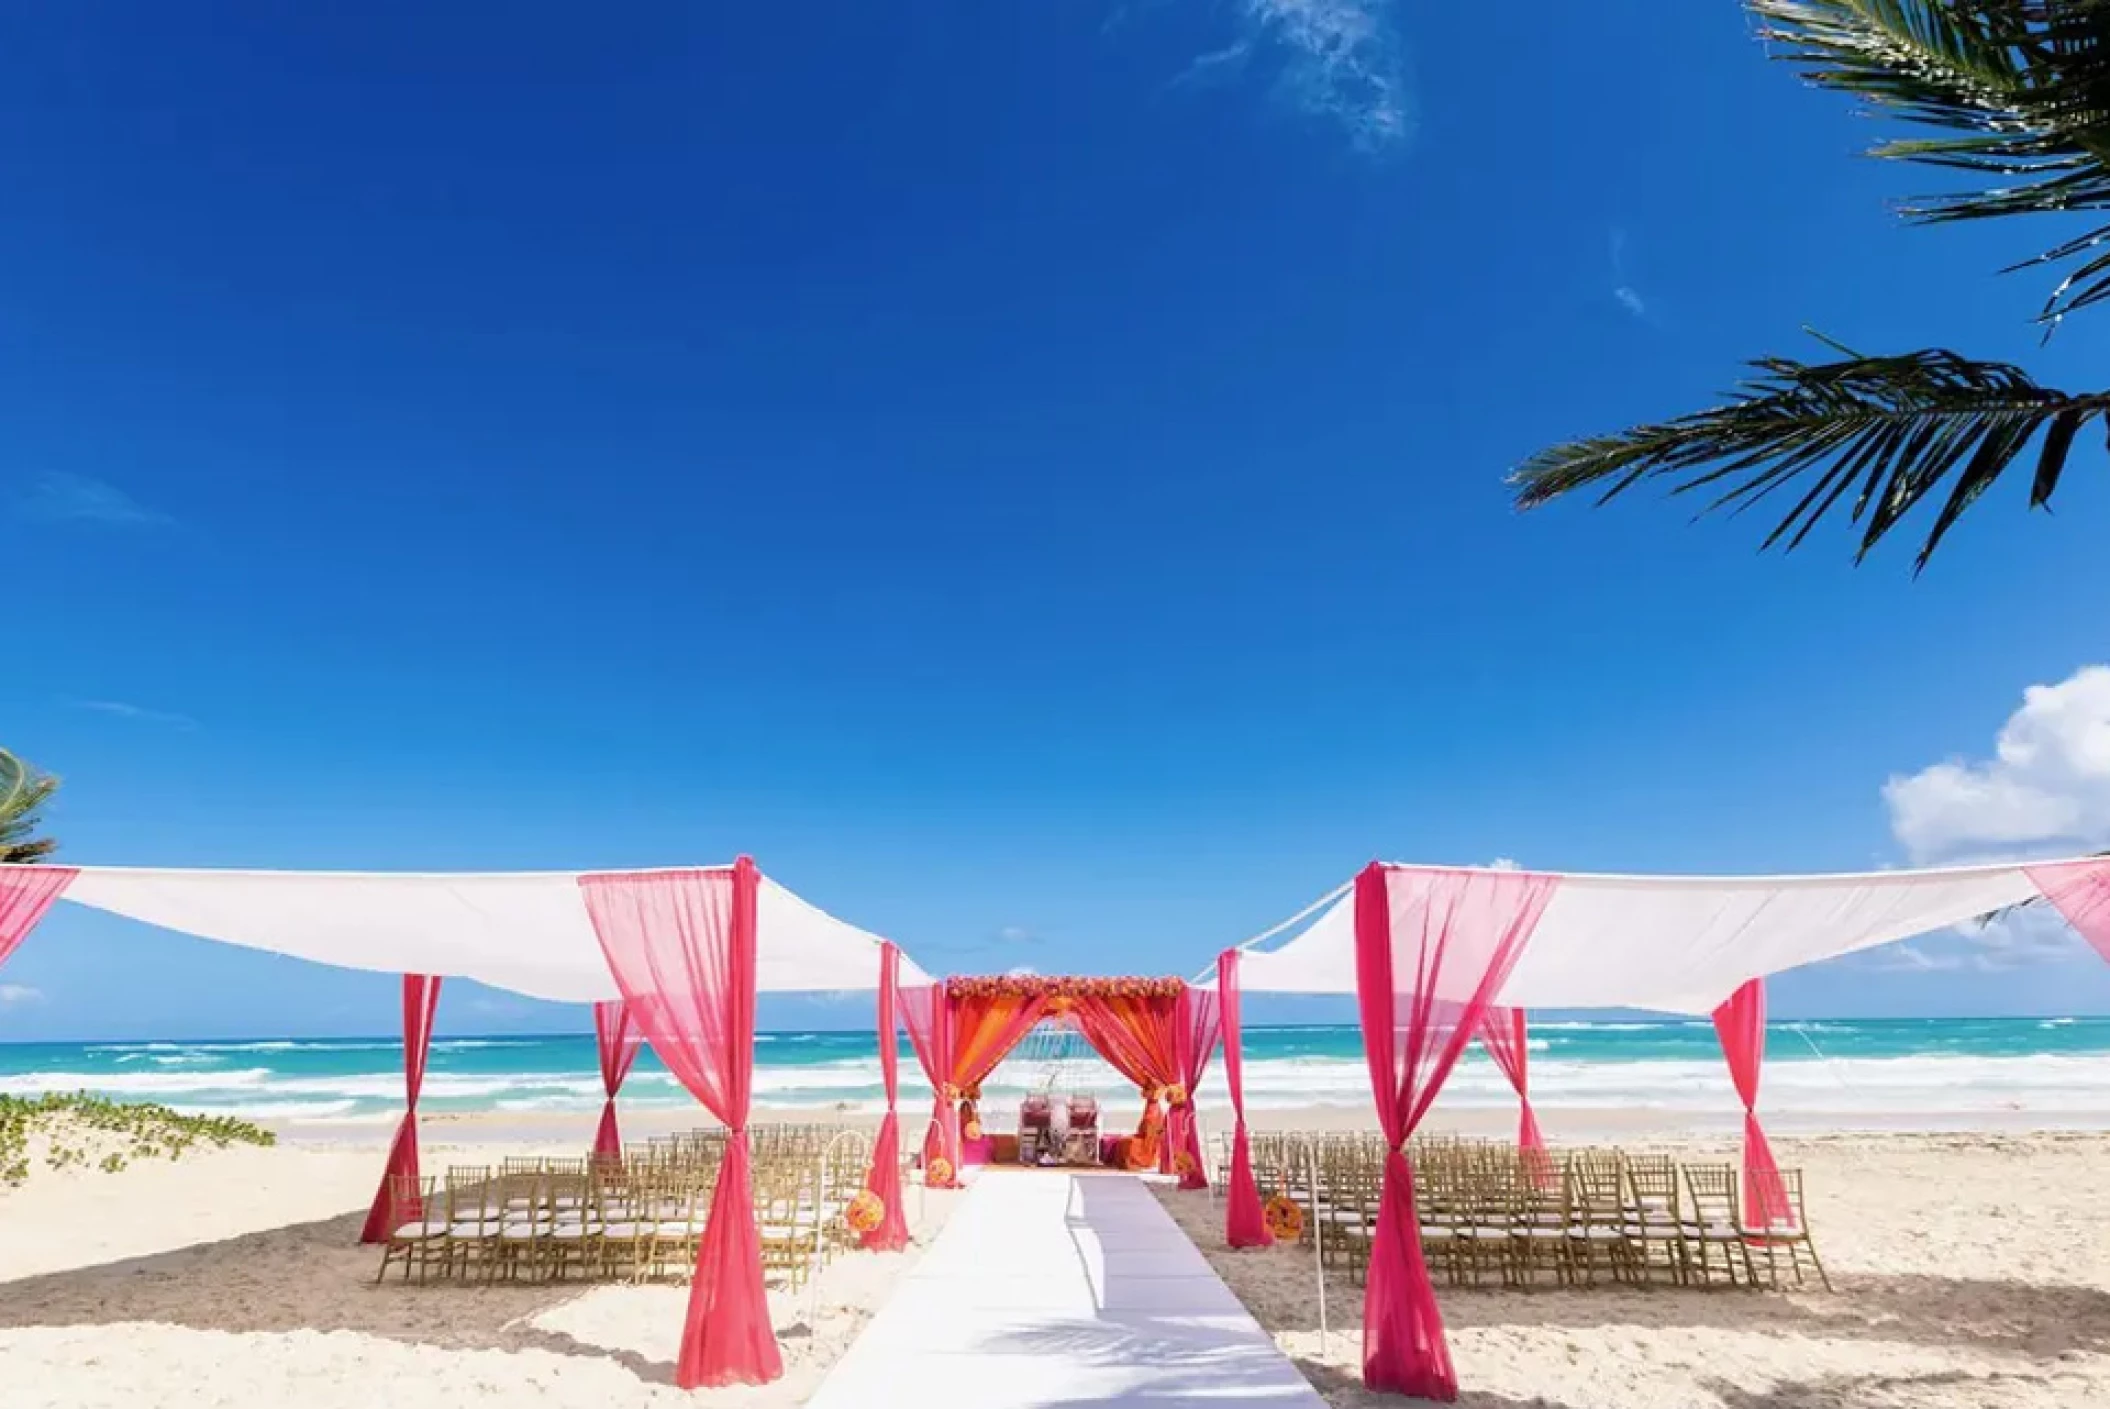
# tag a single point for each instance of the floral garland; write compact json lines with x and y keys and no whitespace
{"x":1285,"y":1218}
{"x":1040,"y":986}
{"x":865,"y":1212}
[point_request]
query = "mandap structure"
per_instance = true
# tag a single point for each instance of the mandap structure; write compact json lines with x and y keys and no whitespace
{"x":1156,"y":1032}
{"x":1437,"y":958}
{"x":670,"y":957}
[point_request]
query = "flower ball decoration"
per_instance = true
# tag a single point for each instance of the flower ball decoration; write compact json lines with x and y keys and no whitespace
{"x":938,"y":1173}
{"x":1183,"y":1165}
{"x":865,"y":1213}
{"x":972,"y":1130}
{"x":1285,"y":1218}
{"x":1174,"y":1095}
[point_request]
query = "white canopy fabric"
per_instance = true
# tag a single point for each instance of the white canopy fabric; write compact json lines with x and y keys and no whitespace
{"x":523,"y":931}
{"x":1680,"y":944}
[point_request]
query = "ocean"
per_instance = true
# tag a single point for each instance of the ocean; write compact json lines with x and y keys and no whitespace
{"x":1940,"y":1072}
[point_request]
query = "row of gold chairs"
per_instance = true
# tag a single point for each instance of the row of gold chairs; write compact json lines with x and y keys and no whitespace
{"x":1490,"y":1215}
{"x":637,"y":1218}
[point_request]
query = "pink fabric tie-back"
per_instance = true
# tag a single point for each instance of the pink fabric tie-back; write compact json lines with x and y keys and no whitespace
{"x":929,"y":1022}
{"x":2078,"y":890}
{"x":883,"y":1180}
{"x":1741,"y":1025}
{"x":421,"y":996}
{"x":681,"y":945}
{"x":1432,"y":951}
{"x":26,"y":896}
{"x":1200,"y":1025}
{"x":1245,"y":1222}
{"x":618,"y":1039}
{"x":1506,"y":1034}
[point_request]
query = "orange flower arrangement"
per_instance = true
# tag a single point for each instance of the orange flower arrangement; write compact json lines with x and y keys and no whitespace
{"x":1285,"y":1218}
{"x":1183,"y":1165}
{"x":972,"y":1130}
{"x":938,"y":1173}
{"x":865,"y":1213}
{"x":1037,"y":986}
{"x":1174,"y":1095}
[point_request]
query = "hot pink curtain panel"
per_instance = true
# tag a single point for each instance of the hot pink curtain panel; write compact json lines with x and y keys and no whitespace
{"x":1741,"y":1025}
{"x":2080,"y":891}
{"x":681,"y":945}
{"x":1433,"y":949}
{"x":928,"y":1018}
{"x":618,"y":1039}
{"x":421,"y":996}
{"x":1245,"y":1222}
{"x":883,"y":1181}
{"x":1200,"y":1024}
{"x":26,"y":896}
{"x":1506,"y":1034}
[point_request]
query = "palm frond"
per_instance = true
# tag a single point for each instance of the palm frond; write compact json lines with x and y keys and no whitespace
{"x":2022,"y":87}
{"x":1874,"y":436}
{"x":24,"y":790}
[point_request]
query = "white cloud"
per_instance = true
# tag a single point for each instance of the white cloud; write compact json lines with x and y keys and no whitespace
{"x":1341,"y":60}
{"x":15,"y":995}
{"x":1016,"y":934}
{"x":1217,"y":64}
{"x":1504,"y":863}
{"x":1022,"y":971}
{"x":1623,"y":288}
{"x":2046,"y":788}
{"x":119,"y":709}
{"x":58,"y":497}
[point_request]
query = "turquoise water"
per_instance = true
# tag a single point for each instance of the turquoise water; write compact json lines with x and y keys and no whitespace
{"x":2006,"y":1067}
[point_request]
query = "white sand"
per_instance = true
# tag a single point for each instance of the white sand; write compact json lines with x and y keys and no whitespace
{"x":1971,"y":1271}
{"x":236,"y":1278}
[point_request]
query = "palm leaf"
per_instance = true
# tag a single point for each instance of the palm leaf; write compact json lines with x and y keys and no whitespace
{"x":2020,"y":87}
{"x":1872,"y":437}
{"x":23,"y":791}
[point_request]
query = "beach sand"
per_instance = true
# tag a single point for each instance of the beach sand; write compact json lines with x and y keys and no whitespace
{"x":236,"y":1278}
{"x":1972,"y":1270}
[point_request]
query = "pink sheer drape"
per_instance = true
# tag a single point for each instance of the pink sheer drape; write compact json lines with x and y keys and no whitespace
{"x":1432,"y":950}
{"x":1139,"y":1038}
{"x":1741,"y":1025}
{"x":883,"y":1180}
{"x":1245,"y":1223}
{"x":618,"y":1039}
{"x":1199,"y":1027}
{"x":928,"y":1019}
{"x":2080,"y":891}
{"x":681,"y":945}
{"x":421,"y":995}
{"x":26,"y":896}
{"x":1507,"y":1036}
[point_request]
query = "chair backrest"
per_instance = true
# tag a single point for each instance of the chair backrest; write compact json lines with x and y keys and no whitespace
{"x":1712,"y":1189}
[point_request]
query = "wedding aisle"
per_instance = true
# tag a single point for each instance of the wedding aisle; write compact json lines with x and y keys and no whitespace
{"x":1051,"y":1289}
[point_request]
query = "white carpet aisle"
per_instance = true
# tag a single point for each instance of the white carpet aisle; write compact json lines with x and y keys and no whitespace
{"x":1059,"y":1289}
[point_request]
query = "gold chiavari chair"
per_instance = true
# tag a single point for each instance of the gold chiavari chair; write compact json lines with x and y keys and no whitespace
{"x":1714,"y":1223}
{"x":1789,"y":1238}
{"x":1654,"y":1225}
{"x":417,"y":1233}
{"x":1597,"y":1220}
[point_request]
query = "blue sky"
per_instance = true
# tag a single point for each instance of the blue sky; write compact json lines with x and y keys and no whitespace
{"x":1031,"y":475}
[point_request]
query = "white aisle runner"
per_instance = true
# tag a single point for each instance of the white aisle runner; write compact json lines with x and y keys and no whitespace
{"x":1059,"y":1289}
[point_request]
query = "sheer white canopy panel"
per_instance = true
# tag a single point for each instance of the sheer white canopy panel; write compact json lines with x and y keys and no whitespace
{"x":525,"y":931}
{"x":1679,"y":944}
